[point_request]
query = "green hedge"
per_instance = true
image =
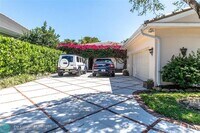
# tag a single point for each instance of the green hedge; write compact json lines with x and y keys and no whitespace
{"x":18,"y":57}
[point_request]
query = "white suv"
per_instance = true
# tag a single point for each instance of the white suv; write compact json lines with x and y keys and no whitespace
{"x":73,"y":64}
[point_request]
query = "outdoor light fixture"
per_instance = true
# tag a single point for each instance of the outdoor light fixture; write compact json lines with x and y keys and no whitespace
{"x":183,"y":51}
{"x":151,"y":51}
{"x":151,"y":30}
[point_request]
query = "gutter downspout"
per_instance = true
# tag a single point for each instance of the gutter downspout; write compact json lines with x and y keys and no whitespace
{"x":158,"y":41}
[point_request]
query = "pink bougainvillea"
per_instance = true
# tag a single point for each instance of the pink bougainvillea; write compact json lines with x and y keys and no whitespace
{"x":88,"y":46}
{"x":94,"y":50}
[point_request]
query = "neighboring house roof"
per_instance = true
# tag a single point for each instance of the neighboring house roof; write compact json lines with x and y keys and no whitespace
{"x":103,"y":43}
{"x":10,"y":27}
{"x":165,"y":21}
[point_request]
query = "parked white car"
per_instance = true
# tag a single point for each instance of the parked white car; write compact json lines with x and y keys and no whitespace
{"x":72,"y":64}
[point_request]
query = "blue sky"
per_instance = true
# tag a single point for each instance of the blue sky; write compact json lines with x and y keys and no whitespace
{"x":109,"y":20}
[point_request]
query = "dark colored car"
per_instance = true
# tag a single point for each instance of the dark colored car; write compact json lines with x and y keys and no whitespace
{"x":103,"y":66}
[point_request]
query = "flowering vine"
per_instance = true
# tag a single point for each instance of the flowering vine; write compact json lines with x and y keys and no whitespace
{"x":94,"y":51}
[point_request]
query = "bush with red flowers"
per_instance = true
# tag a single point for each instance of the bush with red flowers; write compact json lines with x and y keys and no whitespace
{"x":94,"y":51}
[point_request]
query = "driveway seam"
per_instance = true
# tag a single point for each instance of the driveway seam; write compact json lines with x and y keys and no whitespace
{"x":103,"y":108}
{"x":90,"y":88}
{"x":152,"y":126}
{"x":41,"y":109}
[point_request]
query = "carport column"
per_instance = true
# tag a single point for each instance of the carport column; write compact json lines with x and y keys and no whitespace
{"x":158,"y":41}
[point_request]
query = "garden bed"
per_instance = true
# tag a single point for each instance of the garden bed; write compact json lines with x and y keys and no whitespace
{"x":167,"y":105}
{"x":19,"y":79}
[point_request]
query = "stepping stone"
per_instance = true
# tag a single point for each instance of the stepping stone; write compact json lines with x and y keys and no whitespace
{"x":70,"y":111}
{"x":16,"y":107}
{"x":132,"y":109}
{"x":51,"y":99}
{"x":124,"y":92}
{"x":31,"y":122}
{"x":173,"y":128}
{"x":105,"y":99}
{"x":41,"y":92}
{"x":105,"y":121}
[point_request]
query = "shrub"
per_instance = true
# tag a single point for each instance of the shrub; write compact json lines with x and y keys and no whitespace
{"x":18,"y":57}
{"x":149,"y":81}
{"x":125,"y":72}
{"x":19,"y":79}
{"x":183,"y":71}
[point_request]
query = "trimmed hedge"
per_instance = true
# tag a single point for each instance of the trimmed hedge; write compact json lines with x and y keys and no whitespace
{"x":18,"y":57}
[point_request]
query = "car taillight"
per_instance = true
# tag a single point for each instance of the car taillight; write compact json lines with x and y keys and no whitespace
{"x":111,"y":65}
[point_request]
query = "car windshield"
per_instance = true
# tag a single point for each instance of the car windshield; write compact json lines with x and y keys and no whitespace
{"x":69,"y":58}
{"x":104,"y":60}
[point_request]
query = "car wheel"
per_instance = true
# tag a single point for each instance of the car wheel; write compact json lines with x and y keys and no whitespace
{"x":60,"y":74}
{"x":113,"y":74}
{"x":94,"y":74}
{"x":79,"y":72}
{"x":85,"y":71}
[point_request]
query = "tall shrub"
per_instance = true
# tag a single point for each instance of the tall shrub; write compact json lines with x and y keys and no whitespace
{"x":183,"y":71}
{"x":18,"y":57}
{"x":43,"y":35}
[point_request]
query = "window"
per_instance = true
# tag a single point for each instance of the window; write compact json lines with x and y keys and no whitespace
{"x":69,"y":58}
{"x":103,"y":60}
{"x":77,"y":59}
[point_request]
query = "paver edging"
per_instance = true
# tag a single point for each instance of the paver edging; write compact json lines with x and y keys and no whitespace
{"x":162,"y":117}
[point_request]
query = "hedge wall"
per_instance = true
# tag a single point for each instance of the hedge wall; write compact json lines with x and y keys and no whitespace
{"x":18,"y":57}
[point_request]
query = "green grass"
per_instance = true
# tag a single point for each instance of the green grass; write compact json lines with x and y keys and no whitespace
{"x":167,"y":105}
{"x":15,"y":80}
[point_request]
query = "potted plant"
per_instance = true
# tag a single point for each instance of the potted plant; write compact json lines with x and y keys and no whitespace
{"x":149,"y":84}
{"x":125,"y":72}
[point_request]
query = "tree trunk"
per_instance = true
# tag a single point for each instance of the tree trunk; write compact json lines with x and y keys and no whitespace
{"x":194,"y":4}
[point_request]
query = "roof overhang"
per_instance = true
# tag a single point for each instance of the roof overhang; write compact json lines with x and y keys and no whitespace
{"x":157,"y":26}
{"x":163,"y":22}
{"x":173,"y":25}
{"x":135,"y":35}
{"x":9,"y":32}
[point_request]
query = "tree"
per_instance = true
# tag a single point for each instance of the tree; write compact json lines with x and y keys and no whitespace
{"x":88,"y":39}
{"x":124,"y":41}
{"x":70,"y":41}
{"x":155,"y":6}
{"x":43,"y":35}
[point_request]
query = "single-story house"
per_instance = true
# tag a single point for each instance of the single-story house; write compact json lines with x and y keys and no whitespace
{"x":117,"y":63}
{"x":9,"y":27}
{"x":157,"y":40}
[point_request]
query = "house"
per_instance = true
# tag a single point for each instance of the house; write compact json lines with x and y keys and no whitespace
{"x":118,"y":64}
{"x":9,"y":27}
{"x":157,"y":40}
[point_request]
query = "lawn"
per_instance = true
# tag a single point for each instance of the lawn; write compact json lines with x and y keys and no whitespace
{"x":167,"y":105}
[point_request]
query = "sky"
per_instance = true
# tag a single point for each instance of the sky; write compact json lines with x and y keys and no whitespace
{"x":109,"y":20}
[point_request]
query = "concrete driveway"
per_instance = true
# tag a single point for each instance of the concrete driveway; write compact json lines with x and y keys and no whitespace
{"x":78,"y":104}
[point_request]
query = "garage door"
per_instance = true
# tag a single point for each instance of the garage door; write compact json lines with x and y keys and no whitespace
{"x":141,"y":65}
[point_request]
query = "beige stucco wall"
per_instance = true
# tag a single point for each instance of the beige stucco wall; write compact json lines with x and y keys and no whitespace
{"x":137,"y":45}
{"x":172,"y":39}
